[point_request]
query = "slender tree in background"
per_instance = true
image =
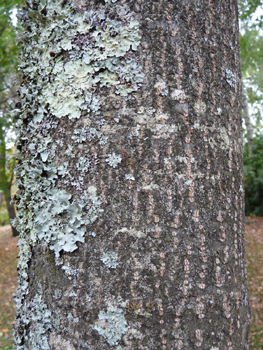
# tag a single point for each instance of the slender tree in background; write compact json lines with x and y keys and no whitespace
{"x":248,"y":123}
{"x":251,"y":41}
{"x":130,"y":200}
{"x":7,"y":165}
{"x":9,"y":52}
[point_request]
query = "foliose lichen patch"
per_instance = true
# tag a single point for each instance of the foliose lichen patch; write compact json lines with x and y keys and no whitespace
{"x":113,"y":159}
{"x":39,"y":319}
{"x":98,"y":58}
{"x":110,"y":259}
{"x":111,"y":324}
{"x":68,"y":58}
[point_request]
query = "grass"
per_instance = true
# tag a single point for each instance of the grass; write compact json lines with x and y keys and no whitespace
{"x":4,"y":218}
{"x":254,"y":247}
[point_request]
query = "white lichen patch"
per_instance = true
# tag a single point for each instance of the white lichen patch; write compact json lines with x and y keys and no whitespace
{"x":110,"y":259}
{"x":151,"y":186}
{"x":177,"y":94}
{"x":131,"y":232}
{"x":57,"y":342}
{"x":230,"y":78}
{"x":70,"y":271}
{"x":161,"y":88}
{"x":156,"y":122}
{"x":200,"y":107}
{"x":219,"y":111}
{"x":112,"y":324}
{"x":113,"y":159}
{"x":129,"y":177}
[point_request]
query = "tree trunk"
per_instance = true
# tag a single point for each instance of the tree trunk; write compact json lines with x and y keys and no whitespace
{"x":130,"y":203}
{"x":5,"y":184}
{"x":248,"y":123}
{"x":11,"y":212}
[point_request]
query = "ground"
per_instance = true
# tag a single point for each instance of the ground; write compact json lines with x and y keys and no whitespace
{"x":254,"y":248}
{"x":8,"y":275}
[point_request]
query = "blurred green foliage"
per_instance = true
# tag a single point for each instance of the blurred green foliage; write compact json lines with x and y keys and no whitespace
{"x":251,"y":43}
{"x":247,"y":8}
{"x":4,"y":217}
{"x":253,"y":178}
{"x":9,"y":50}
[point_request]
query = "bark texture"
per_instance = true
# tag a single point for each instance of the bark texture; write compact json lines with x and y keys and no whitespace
{"x":130,"y":203}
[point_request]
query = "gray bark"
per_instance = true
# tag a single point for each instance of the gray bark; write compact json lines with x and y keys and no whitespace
{"x":248,"y":123}
{"x":130,"y":203}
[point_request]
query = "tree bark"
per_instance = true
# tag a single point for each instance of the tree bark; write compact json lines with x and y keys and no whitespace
{"x":130,"y":203}
{"x":248,"y":123}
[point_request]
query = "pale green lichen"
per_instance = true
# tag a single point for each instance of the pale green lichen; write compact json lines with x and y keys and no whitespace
{"x":62,"y":169}
{"x":83,"y":165}
{"x":39,"y":318}
{"x":67,"y":58}
{"x":64,"y":223}
{"x":69,"y":152}
{"x":110,"y":259}
{"x":112,"y":324}
{"x":102,"y":62}
{"x":40,"y":324}
{"x":85,"y":134}
{"x":55,"y":217}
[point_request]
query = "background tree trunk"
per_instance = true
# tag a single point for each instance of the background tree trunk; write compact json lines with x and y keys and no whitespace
{"x":248,"y":123}
{"x":11,"y":212}
{"x":5,"y":183}
{"x":130,"y":202}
